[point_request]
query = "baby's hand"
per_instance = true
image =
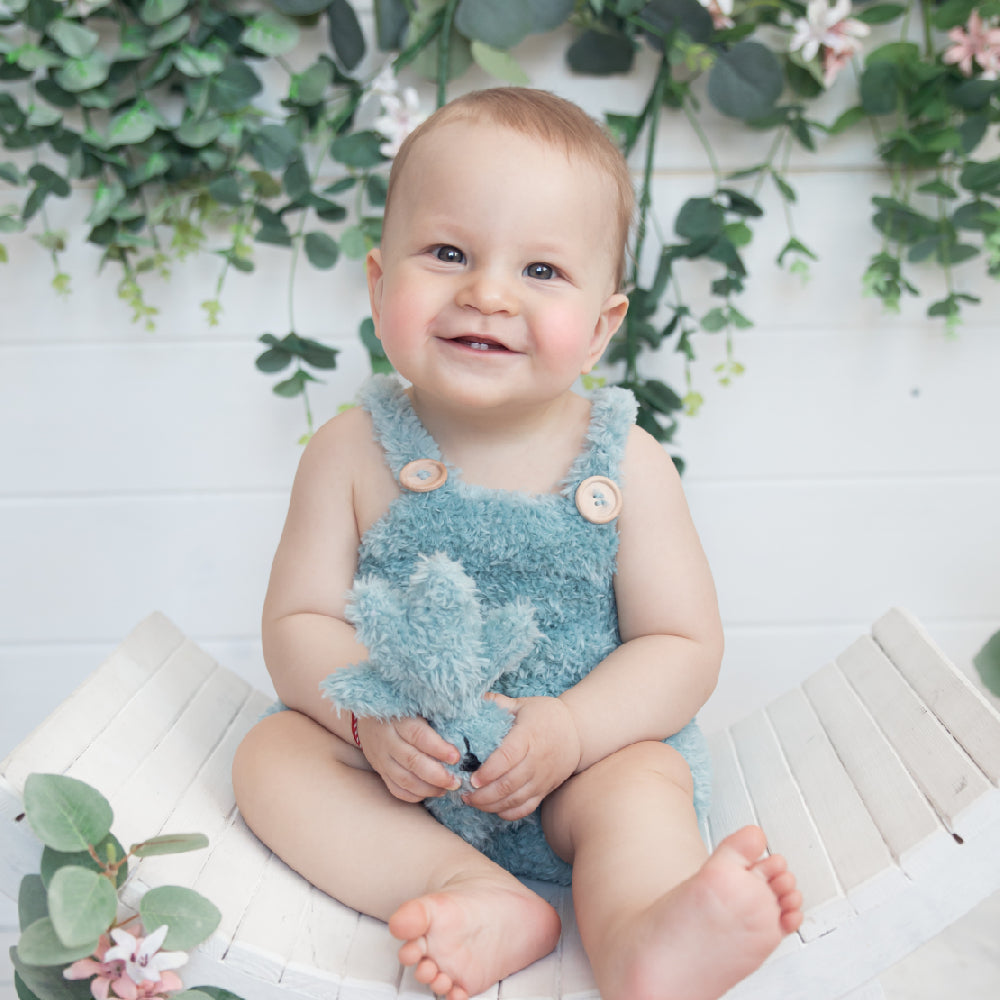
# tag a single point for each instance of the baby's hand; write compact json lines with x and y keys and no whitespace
{"x":539,"y":753}
{"x":407,"y":754}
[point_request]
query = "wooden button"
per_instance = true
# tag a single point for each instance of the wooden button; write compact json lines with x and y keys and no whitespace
{"x":599,"y":499}
{"x":423,"y":475}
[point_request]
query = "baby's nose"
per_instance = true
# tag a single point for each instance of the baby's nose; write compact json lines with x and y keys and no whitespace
{"x":488,"y":293}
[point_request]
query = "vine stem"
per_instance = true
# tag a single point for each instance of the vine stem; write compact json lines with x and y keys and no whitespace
{"x":444,"y":52}
{"x":704,"y":140}
{"x":652,"y":116}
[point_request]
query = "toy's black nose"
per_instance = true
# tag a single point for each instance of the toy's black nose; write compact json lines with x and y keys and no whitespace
{"x":470,"y":762}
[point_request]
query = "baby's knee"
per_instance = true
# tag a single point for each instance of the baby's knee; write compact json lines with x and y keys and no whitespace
{"x":645,"y":761}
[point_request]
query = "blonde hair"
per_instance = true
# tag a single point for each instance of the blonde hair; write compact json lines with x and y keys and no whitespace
{"x":553,"y":120}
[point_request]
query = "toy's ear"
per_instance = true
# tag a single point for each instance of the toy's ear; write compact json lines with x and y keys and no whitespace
{"x":359,"y":689}
{"x":509,"y":635}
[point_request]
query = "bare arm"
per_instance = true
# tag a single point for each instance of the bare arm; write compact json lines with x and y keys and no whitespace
{"x":305,"y":632}
{"x":668,"y":613}
{"x":340,"y":488}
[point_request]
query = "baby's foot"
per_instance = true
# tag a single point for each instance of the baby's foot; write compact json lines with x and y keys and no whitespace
{"x":472,"y":934}
{"x":713,"y":930}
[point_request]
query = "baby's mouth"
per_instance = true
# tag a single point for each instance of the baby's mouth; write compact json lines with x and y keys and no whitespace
{"x":480,"y":343}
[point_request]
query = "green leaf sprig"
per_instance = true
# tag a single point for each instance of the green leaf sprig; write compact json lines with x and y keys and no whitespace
{"x":67,"y":908}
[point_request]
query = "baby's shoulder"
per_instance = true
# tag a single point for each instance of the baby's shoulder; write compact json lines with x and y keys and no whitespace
{"x":649,"y":477}
{"x":343,"y":447}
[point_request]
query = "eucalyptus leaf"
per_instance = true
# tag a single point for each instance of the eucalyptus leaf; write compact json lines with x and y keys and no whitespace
{"x":274,"y":146}
{"x":109,"y":850}
{"x":670,"y":16}
{"x":322,"y":250}
{"x":47,"y":982}
{"x":549,"y":14}
{"x":316,"y":354}
{"x":66,"y":814}
{"x":199,"y":132}
{"x":270,"y":34}
{"x":699,"y":217}
{"x":73,"y":38}
{"x":82,"y":905}
{"x":881,"y":13}
{"x":600,"y":53}
{"x":498,"y":63}
{"x":392,"y":18}
{"x":500,"y":25}
{"x":353,"y":244}
{"x":309,"y":87}
{"x":987,"y":662}
{"x":234,"y":88}
{"x":345,"y":33}
{"x":745,"y":81}
{"x":131,"y":127}
{"x":172,"y":31}
{"x":981,"y":177}
{"x":154,"y":12}
{"x":294,"y":386}
{"x":189,"y":916}
{"x":170,"y":843}
{"x":198,"y":62}
{"x":978,"y":214}
{"x":299,"y":8}
{"x":879,"y":88}
{"x":361,"y":150}
{"x":39,"y":944}
{"x":106,"y":199}
{"x":34,"y":57}
{"x":274,"y":360}
{"x":77,"y":75}
{"x":214,"y":992}
{"x":32,"y":901}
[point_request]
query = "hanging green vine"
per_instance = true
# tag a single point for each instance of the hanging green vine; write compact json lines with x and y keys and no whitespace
{"x":159,"y":108}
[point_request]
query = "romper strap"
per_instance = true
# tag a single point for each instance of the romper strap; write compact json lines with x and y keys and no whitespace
{"x":612,"y":413}
{"x":398,"y":429}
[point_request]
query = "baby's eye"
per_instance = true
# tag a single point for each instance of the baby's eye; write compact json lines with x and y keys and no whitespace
{"x":543,"y":272}
{"x":449,"y":254}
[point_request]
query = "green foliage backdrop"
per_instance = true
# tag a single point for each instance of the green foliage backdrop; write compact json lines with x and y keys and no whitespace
{"x":166,"y":113}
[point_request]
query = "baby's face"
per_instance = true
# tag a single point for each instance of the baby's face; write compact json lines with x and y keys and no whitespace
{"x":495,"y":279}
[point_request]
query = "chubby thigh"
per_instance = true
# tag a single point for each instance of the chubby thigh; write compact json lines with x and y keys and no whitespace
{"x":315,"y":801}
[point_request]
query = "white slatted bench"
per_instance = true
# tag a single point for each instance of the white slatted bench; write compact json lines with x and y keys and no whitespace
{"x":878,"y":779}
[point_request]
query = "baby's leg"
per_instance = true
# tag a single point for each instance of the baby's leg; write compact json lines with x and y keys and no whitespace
{"x":660,"y":919}
{"x":465,"y":922}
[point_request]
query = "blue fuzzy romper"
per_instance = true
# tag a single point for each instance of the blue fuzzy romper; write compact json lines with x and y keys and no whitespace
{"x":516,"y":545}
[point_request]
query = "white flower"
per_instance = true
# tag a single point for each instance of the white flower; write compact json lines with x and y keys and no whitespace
{"x":830,"y":27}
{"x":400,"y":111}
{"x":142,"y":956}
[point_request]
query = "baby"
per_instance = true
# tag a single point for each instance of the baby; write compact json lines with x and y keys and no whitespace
{"x":497,"y":283}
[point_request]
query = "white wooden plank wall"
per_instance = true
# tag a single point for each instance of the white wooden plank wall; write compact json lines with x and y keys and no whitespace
{"x":853,"y":467}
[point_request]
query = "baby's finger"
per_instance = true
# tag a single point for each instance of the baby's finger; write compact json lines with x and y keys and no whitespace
{"x":501,"y":762}
{"x":426,"y":739}
{"x":433,"y":776}
{"x":423,"y":779}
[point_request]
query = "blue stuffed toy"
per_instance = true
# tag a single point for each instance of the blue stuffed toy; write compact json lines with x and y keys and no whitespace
{"x":434,"y":653}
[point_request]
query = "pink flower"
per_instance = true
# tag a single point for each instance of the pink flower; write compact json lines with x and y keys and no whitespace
{"x":979,"y":43}
{"x":132,"y":969}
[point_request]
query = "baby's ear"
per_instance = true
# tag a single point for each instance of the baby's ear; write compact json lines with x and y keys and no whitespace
{"x":374,"y":272}
{"x":611,"y":317}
